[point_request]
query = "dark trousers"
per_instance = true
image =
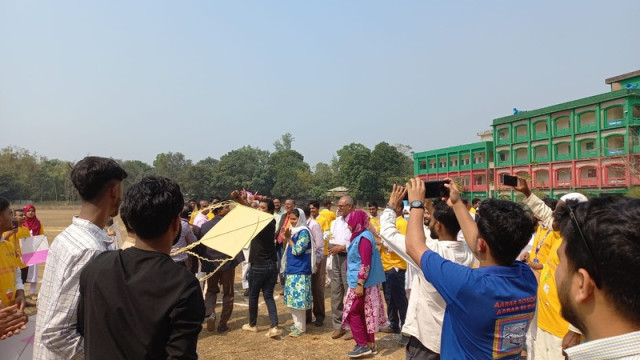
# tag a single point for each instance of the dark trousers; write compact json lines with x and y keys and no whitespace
{"x":417,"y":351}
{"x":24,"y":272}
{"x":262,"y":277}
{"x":339,"y":287}
{"x":395,"y":297}
{"x":317,"y":291}
{"x":224,"y":279}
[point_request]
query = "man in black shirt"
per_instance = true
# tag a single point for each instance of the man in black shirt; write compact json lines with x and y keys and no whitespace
{"x":137,"y":303}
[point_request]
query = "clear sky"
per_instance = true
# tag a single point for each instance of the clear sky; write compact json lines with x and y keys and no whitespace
{"x":131,"y":79}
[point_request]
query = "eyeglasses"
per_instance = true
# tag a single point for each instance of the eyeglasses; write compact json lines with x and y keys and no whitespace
{"x":596,"y":271}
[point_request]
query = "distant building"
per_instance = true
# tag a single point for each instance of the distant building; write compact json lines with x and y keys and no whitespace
{"x":589,"y":145}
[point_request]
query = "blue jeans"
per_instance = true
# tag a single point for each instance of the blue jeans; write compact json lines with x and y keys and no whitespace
{"x":262,"y":277}
{"x":395,"y":297}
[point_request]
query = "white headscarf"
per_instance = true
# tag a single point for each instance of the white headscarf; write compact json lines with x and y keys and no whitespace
{"x":302,"y":222}
{"x":574,"y":196}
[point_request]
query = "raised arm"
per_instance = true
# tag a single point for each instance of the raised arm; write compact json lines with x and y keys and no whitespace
{"x":415,"y":239}
{"x":466,"y":221}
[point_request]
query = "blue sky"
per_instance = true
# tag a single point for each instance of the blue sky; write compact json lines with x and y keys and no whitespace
{"x":133,"y":79}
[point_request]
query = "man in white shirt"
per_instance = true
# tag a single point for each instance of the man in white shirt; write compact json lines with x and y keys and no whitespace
{"x":597,"y":276}
{"x":341,"y":238}
{"x":426,"y":308}
{"x":99,"y":183}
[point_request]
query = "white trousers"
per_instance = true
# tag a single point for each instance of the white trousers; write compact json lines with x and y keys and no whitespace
{"x":300,"y":319}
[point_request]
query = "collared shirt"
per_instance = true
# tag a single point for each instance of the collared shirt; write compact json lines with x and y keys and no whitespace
{"x":316,"y":236}
{"x":340,"y":231}
{"x":621,"y":347}
{"x":200,"y":219}
{"x":56,"y":335}
{"x":278,"y":216}
{"x":426,"y":308}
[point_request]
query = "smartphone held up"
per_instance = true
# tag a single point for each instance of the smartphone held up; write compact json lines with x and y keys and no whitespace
{"x":509,"y":180}
{"x":434,"y":189}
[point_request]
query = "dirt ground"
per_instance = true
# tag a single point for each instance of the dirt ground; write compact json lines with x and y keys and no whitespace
{"x":316,"y":343}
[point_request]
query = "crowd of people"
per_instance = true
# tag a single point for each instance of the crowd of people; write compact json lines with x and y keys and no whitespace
{"x":493,"y":279}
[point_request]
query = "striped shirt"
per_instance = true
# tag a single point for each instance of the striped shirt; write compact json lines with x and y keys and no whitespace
{"x":56,"y":334}
{"x":621,"y":347}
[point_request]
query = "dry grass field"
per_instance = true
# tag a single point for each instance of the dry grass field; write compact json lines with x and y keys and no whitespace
{"x":238,"y":344}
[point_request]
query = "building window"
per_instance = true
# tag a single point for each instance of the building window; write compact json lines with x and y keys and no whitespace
{"x":521,"y":154}
{"x":433,"y":164}
{"x":466,"y":160}
{"x":479,"y":180}
{"x":541,"y":127}
{"x":542,"y":177}
{"x":542,"y":152}
{"x":589,"y":145}
{"x":422,"y":165}
{"x":616,"y":174}
{"x":521,"y":131}
{"x":465,"y":180}
{"x":614,"y":116}
{"x":503,"y":155}
{"x":615,"y":145}
{"x":588,"y":119}
{"x":479,"y":158}
{"x":563,"y":149}
{"x":454,"y":162}
{"x":635,"y":111}
{"x":562,"y":123}
{"x":443,"y":164}
{"x":503,"y":134}
{"x":564,"y":177}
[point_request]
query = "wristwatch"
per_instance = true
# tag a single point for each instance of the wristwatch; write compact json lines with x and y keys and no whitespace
{"x":416,"y":204}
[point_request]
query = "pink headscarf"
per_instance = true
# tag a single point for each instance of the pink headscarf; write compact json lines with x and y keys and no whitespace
{"x":358,"y":222}
{"x":33,"y":224}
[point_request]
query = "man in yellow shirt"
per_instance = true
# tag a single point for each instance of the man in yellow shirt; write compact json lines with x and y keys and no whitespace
{"x":374,"y":220}
{"x":551,"y":326}
{"x":12,"y":317}
{"x":395,"y":271}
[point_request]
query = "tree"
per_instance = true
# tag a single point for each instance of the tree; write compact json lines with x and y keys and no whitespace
{"x":352,"y":161}
{"x":391,"y":166}
{"x":242,"y":168}
{"x":284,"y":143}
{"x":172,"y":166}
{"x":323,"y":179}
{"x":136,"y":170}
{"x":291,"y":175}
{"x":198,"y":182}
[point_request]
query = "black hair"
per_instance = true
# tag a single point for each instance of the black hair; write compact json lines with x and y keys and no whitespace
{"x":192,"y":199}
{"x":327,"y":203}
{"x":446,"y":216}
{"x":506,"y":229}
{"x":373,"y":203}
{"x":307,"y":211}
{"x":150,"y":205}
{"x":551,"y":203}
{"x":465,"y":201}
{"x":216,"y":199}
{"x":315,"y":204}
{"x":610,"y":228}
{"x":475,"y":201}
{"x":4,"y":204}
{"x":91,"y":175}
{"x":186,"y":212}
{"x":18,"y":210}
{"x":270,"y":206}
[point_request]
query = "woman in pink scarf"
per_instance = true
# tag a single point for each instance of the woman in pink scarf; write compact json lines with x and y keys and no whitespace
{"x":35,"y":228}
{"x":363,"y":307}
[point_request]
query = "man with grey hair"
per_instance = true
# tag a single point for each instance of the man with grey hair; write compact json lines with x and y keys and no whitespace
{"x":340,"y":239}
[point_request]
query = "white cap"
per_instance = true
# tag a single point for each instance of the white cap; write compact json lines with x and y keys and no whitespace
{"x":574,"y":196}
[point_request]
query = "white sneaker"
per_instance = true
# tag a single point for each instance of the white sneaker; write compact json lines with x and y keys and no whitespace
{"x":248,"y":327}
{"x":274,"y":332}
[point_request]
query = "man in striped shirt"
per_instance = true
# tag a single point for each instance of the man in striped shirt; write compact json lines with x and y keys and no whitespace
{"x":99,"y":183}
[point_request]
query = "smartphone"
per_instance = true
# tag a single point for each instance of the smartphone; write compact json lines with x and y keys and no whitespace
{"x":509,"y":180}
{"x":14,"y":224}
{"x":434,"y":189}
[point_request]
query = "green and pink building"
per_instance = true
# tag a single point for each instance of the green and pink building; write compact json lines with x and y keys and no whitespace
{"x":589,"y":145}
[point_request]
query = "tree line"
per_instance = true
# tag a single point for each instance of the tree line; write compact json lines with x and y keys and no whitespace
{"x":283,"y":172}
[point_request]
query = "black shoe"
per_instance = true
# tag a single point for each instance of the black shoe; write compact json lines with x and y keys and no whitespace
{"x":319,"y":323}
{"x":389,"y":330}
{"x":222,"y":328}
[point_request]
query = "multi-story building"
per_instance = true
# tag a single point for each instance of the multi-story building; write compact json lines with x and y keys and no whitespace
{"x":470,"y":164}
{"x":589,"y":145}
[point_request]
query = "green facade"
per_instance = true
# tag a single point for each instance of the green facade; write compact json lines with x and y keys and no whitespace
{"x":453,"y":158}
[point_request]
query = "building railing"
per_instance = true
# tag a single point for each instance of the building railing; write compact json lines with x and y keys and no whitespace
{"x":614,"y":152}
{"x":587,"y":154}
